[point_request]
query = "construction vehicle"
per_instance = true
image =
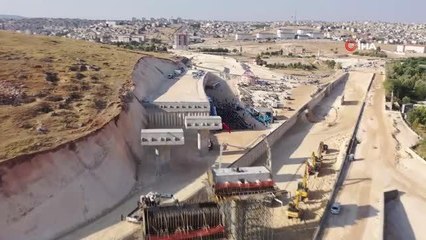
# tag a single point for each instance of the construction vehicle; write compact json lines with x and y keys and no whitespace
{"x":314,"y":164}
{"x":322,"y":148}
{"x":302,"y":187}
{"x":152,"y":199}
{"x":294,"y":210}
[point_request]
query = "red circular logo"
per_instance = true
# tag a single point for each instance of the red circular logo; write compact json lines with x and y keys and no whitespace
{"x":351,"y":45}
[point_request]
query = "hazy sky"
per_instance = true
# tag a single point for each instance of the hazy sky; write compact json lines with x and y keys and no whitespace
{"x":331,"y":10}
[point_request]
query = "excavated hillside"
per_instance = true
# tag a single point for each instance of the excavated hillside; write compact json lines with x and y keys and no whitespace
{"x":57,"y":187}
{"x":53,"y":90}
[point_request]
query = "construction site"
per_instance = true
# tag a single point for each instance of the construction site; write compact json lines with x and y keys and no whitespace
{"x":206,"y":147}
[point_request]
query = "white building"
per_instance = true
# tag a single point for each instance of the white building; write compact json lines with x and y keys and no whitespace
{"x":302,"y":31}
{"x":303,"y":37}
{"x":415,"y":49}
{"x":111,"y":23}
{"x":265,"y":36}
{"x":137,"y":38}
{"x":123,"y":38}
{"x":410,"y":49}
{"x":129,"y":38}
{"x":285,"y":34}
{"x":244,"y":37}
{"x":315,"y":35}
{"x":400,"y":48}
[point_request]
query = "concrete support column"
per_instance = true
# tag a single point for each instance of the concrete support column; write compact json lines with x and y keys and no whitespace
{"x":234,"y":220}
{"x":203,"y":141}
{"x":162,"y":157}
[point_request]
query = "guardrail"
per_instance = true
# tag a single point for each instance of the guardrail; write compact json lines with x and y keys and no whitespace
{"x":344,"y":168}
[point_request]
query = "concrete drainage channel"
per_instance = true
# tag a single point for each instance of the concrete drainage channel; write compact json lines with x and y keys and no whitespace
{"x":344,"y":168}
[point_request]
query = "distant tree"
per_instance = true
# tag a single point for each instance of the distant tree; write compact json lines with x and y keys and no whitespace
{"x":417,"y":115}
{"x":420,"y":90}
{"x":406,"y":100}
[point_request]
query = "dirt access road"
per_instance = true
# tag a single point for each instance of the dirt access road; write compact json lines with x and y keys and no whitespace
{"x":379,"y":165}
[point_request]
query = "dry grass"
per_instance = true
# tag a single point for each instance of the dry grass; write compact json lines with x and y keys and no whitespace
{"x":68,"y":88}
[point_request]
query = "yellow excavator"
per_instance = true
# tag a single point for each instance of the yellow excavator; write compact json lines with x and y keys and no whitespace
{"x":314,"y":164}
{"x":294,"y":210}
{"x":322,"y":148}
{"x":302,"y":187}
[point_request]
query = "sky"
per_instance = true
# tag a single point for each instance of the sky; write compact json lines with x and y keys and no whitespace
{"x":235,"y":10}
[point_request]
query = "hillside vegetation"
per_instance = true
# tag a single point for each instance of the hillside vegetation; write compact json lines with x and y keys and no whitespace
{"x":407,"y":79}
{"x":53,"y":90}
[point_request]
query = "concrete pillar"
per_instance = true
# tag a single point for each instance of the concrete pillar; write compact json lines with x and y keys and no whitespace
{"x":162,"y":157}
{"x":203,"y":141}
{"x":234,"y":220}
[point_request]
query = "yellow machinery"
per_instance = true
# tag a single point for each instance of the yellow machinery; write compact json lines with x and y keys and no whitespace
{"x":322,"y":148}
{"x":294,"y":210}
{"x":314,"y":164}
{"x":302,"y":187}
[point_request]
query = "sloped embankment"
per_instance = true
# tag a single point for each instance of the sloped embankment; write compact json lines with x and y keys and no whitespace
{"x":45,"y":194}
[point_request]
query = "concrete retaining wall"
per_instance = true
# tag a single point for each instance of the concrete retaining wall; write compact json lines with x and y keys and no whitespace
{"x":344,"y":168}
{"x":259,"y":149}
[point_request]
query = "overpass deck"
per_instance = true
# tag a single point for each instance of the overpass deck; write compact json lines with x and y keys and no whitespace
{"x":185,"y":89}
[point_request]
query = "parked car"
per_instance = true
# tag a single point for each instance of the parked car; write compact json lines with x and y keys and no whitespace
{"x":335,"y":208}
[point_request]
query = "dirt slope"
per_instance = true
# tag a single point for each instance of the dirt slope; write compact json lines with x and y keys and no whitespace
{"x":53,"y":90}
{"x":44,"y":195}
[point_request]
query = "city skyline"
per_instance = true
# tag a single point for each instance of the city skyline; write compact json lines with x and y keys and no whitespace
{"x":269,"y":10}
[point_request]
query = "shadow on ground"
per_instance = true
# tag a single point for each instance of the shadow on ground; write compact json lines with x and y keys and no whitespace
{"x":397,"y":225}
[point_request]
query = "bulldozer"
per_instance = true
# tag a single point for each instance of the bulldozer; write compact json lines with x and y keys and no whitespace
{"x":302,"y":187}
{"x":294,"y":210}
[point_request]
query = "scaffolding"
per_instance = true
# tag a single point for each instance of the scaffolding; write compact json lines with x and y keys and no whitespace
{"x":184,"y":221}
{"x":248,"y":219}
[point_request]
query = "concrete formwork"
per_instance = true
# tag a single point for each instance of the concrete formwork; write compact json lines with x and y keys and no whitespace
{"x":203,"y":125}
{"x":161,"y":141}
